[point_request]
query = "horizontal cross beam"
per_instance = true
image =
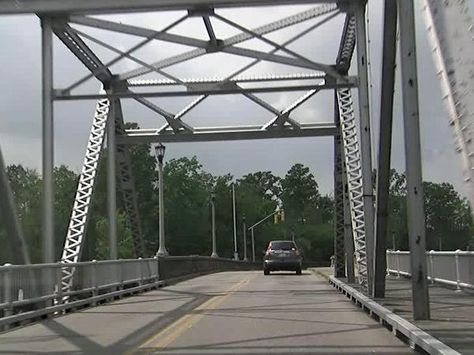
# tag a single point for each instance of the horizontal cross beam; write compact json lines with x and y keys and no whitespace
{"x":231,"y":88}
{"x":209,"y":134}
{"x":121,"y":6}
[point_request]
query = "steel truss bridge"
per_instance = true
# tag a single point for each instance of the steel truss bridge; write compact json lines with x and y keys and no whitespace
{"x":360,"y":210}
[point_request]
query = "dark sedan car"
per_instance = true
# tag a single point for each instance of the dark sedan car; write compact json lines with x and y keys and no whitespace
{"x":282,"y":255}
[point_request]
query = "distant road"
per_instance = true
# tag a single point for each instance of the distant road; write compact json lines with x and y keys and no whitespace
{"x":224,"y":313}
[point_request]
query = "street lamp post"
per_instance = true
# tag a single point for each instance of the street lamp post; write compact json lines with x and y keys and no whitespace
{"x":236,"y":254}
{"x":213,"y":217}
{"x":244,"y":227}
{"x":160,"y":154}
{"x":253,"y":245}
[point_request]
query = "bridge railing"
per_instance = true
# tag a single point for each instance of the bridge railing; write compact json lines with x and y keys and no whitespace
{"x":25,"y":287}
{"x":453,"y":268}
{"x":31,"y":291}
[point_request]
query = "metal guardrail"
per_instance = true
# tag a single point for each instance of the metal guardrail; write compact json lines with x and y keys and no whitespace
{"x":28,"y":287}
{"x":453,"y":268}
{"x":29,"y":292}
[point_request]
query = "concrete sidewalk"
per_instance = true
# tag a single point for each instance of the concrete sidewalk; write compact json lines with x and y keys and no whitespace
{"x":452,"y":312}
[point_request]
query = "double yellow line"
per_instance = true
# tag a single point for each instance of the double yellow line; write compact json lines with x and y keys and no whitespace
{"x":168,"y":335}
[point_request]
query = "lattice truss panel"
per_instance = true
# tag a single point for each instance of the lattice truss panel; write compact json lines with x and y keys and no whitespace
{"x":450,"y":30}
{"x":354,"y":179}
{"x":80,"y":211}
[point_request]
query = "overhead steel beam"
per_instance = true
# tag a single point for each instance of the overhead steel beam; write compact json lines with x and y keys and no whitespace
{"x":210,"y":30}
{"x":170,"y":77}
{"x":385,"y":145}
{"x":239,"y":79}
{"x":326,"y":68}
{"x":239,"y":38}
{"x":347,"y":44}
{"x":198,"y":43}
{"x":283,"y":117}
{"x":175,"y":123}
{"x":126,"y":53}
{"x":229,"y":89}
{"x":138,"y":31}
{"x":118,"y":6}
{"x":208,"y":134}
{"x":77,"y":47}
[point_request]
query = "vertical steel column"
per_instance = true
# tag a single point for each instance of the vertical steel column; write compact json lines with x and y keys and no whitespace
{"x":348,"y":237}
{"x":365,"y":139}
{"x":385,"y":145}
{"x":162,"y":251}
{"x":416,"y":213}
{"x":112,"y":182}
{"x":18,"y":249}
{"x":339,"y":254}
{"x":48,"y":140}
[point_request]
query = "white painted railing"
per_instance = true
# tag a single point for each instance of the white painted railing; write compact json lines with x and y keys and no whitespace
{"x":454,"y":268}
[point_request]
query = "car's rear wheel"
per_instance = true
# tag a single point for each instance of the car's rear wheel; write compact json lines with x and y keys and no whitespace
{"x":266,"y":272}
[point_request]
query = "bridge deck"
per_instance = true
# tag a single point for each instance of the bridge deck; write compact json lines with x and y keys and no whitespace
{"x":224,"y":313}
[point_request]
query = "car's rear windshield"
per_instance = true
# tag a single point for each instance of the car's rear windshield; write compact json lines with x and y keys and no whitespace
{"x":282,"y":245}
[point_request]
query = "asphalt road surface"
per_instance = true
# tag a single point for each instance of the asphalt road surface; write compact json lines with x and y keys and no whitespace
{"x":224,"y":313}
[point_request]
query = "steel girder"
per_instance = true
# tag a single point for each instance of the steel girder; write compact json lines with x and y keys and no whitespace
{"x":77,"y":46}
{"x":347,"y":82}
{"x":450,"y":33}
{"x":339,"y":250}
{"x":127,"y":184}
{"x":120,"y":6}
{"x":80,"y":211}
{"x":354,"y":179}
{"x":347,"y":44}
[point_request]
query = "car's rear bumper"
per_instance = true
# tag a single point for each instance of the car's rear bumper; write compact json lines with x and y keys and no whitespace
{"x":276,"y":265}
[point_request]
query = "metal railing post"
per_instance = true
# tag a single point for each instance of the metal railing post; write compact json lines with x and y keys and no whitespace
{"x":7,"y":291}
{"x":458,"y":276}
{"x":59,"y":289}
{"x":141,"y":273}
{"x":398,"y":263}
{"x":95,"y":286}
{"x":432,"y":266}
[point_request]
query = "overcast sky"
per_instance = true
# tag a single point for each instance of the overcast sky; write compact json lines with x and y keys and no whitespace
{"x":20,"y":105}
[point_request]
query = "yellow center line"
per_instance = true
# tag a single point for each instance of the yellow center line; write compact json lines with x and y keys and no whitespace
{"x":177,"y":328}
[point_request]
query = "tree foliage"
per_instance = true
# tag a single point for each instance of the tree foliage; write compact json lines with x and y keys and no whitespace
{"x":309,"y":215}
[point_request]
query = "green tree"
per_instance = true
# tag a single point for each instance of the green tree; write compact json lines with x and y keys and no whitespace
{"x":447,"y":216}
{"x":187,"y":217}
